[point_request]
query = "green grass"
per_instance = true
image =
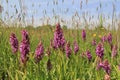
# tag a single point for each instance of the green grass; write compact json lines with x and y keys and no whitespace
{"x":75,"y":68}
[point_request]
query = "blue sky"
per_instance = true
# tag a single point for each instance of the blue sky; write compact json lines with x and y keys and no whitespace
{"x":73,"y":5}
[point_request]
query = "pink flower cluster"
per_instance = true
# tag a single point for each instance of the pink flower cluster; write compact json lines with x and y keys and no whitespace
{"x":14,"y":43}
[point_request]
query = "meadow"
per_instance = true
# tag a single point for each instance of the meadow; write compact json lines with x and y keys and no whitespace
{"x":61,"y":62}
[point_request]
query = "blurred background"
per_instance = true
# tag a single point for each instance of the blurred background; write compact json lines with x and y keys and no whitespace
{"x":71,"y":13}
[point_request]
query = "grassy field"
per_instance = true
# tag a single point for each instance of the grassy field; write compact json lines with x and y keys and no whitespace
{"x":76,"y":67}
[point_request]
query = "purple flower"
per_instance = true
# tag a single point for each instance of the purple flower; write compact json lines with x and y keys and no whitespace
{"x":109,"y":38}
{"x":25,"y":35}
{"x":24,"y":47}
{"x":24,"y":50}
{"x":114,"y":51}
{"x":76,"y":47}
{"x":94,"y":42}
{"x":39,"y":52}
{"x":88,"y":54}
{"x":100,"y":50}
{"x":14,"y":43}
{"x":68,"y":50}
{"x":83,"y":34}
{"x":104,"y":38}
{"x":105,"y":65}
{"x":59,"y":40}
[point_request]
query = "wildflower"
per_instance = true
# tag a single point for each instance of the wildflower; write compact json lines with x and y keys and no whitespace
{"x":104,"y":38}
{"x":59,"y":40}
{"x":100,"y":50}
{"x":105,"y":65}
{"x":24,"y":47}
{"x":68,"y":50}
{"x":25,"y":36}
{"x":88,"y":54}
{"x":94,"y":42}
{"x":14,"y":43}
{"x":94,"y":35}
{"x":49,"y":65}
{"x":24,"y":50}
{"x":114,"y":51}
{"x":39,"y":52}
{"x":109,"y":38}
{"x":76,"y":47}
{"x":83,"y":34}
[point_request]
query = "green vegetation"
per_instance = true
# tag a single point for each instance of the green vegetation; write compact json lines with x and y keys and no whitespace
{"x":74,"y":68}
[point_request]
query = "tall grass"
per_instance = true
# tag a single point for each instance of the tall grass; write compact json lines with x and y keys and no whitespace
{"x":77,"y":67}
{"x":74,"y":68}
